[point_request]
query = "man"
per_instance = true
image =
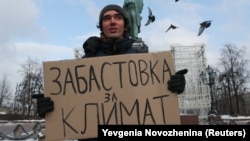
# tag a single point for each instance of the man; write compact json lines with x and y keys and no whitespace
{"x":115,"y":34}
{"x":114,"y":40}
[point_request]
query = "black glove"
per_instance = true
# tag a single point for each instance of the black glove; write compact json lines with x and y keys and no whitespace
{"x":90,"y":46}
{"x":177,"y":82}
{"x":44,"y":104}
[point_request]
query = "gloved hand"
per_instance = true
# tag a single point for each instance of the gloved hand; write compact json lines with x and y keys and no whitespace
{"x":177,"y":82}
{"x":44,"y":104}
{"x":90,"y":46}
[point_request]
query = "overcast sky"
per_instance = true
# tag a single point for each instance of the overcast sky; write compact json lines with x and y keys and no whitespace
{"x":50,"y":30}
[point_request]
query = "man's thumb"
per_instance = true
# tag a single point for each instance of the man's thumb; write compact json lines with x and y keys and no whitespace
{"x":36,"y":96}
{"x":184,"y":71}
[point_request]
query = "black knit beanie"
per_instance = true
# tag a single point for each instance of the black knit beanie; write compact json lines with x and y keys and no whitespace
{"x":113,"y":7}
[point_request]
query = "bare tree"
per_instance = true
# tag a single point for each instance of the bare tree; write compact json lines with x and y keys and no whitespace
{"x":5,"y":91}
{"x":31,"y":84}
{"x":235,"y":73}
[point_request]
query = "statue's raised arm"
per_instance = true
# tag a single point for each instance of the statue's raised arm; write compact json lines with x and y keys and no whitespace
{"x":133,"y":8}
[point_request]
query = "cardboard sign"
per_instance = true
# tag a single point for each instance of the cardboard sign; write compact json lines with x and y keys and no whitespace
{"x":120,"y":90}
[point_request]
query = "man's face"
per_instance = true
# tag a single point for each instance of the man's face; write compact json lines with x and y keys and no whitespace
{"x":113,"y":24}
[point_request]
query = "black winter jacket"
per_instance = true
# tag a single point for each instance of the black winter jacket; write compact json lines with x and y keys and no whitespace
{"x":94,"y":47}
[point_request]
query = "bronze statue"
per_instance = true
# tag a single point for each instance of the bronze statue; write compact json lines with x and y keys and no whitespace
{"x":133,"y":9}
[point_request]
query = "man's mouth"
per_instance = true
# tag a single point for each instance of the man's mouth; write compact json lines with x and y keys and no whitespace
{"x":112,"y":30}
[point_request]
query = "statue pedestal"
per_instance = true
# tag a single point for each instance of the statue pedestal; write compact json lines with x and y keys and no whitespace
{"x":140,"y":46}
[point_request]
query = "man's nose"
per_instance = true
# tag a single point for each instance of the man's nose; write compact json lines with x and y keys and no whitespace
{"x":112,"y":20}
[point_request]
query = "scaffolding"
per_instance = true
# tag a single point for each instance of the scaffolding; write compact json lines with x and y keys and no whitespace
{"x":196,"y":97}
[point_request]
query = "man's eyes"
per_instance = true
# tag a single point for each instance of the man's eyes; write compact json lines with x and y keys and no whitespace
{"x":108,"y":17}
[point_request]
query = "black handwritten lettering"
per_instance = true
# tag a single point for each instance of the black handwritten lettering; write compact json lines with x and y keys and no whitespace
{"x":82,"y":79}
{"x":142,"y":72}
{"x":120,"y":72}
{"x":162,"y":106}
{"x":92,"y":77}
{"x":107,"y":97}
{"x":115,"y":112}
{"x":85,"y":79}
{"x":112,"y":112}
{"x":114,"y":98}
{"x":152,"y":72}
{"x":57,"y":81}
{"x":135,"y":107}
{"x":165,"y":70}
{"x":85,"y":120}
{"x":64,"y":121}
{"x":102,"y":76}
{"x":131,"y":64}
{"x":69,"y":75}
{"x":148,"y":109}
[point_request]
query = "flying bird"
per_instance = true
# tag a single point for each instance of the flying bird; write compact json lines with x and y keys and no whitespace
{"x":176,"y":0}
{"x":171,"y":27}
{"x":203,"y":26}
{"x":151,"y":17}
